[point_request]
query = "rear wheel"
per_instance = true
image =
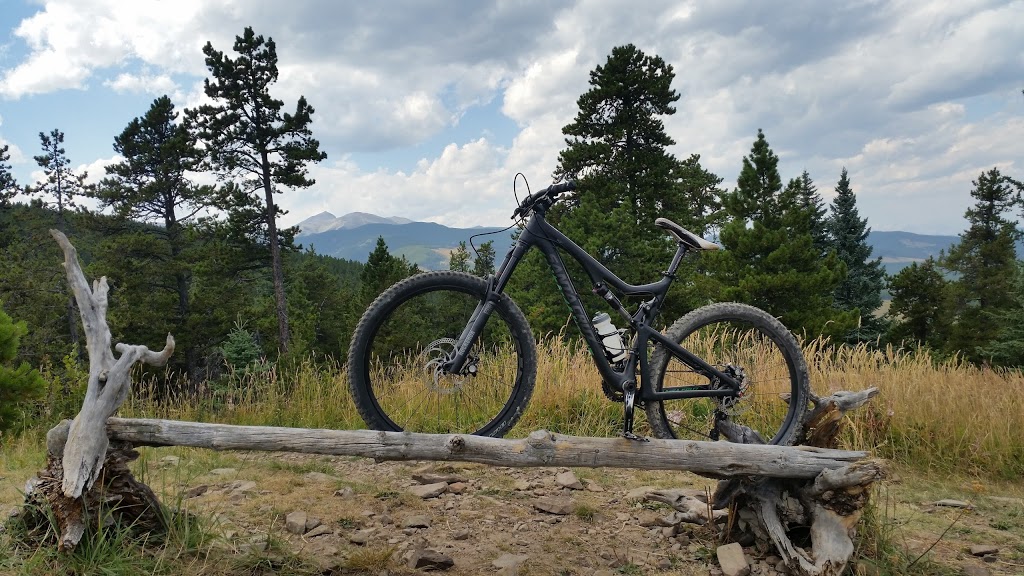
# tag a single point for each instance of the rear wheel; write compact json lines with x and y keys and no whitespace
{"x":751,"y":346}
{"x":397,"y":359}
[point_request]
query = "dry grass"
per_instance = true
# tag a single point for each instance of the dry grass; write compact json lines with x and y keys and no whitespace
{"x":931,"y":415}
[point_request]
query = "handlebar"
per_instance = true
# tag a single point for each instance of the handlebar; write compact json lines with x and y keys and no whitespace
{"x":551,"y":191}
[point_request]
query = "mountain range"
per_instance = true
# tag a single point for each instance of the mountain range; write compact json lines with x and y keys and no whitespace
{"x":354,"y":235}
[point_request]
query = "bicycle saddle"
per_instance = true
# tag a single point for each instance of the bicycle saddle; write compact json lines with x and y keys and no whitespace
{"x":685,"y":236}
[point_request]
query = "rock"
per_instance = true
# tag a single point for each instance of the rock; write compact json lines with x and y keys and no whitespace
{"x":295,"y":522}
{"x":320,"y":477}
{"x":223,"y":472}
{"x":983,"y":549}
{"x":427,"y":491}
{"x":510,"y":563}
{"x":953,"y":504}
{"x":458,"y":487}
{"x":360,"y":537}
{"x":972,"y":570}
{"x":312,"y":522}
{"x":732,"y":560}
{"x":418,"y":521}
{"x":196,"y":491}
{"x":321,"y":530}
{"x":522,"y":485}
{"x":639,"y":493}
{"x":592,"y":486}
{"x":255,"y":545}
{"x":169,"y":461}
{"x":462,"y":535}
{"x":241,"y":486}
{"x":649,"y":519}
{"x":568,"y":479}
{"x":430,"y":560}
{"x":559,"y":506}
{"x":346,"y":492}
{"x":430,"y":478}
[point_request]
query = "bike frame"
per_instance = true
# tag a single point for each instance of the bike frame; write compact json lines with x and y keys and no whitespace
{"x":541,"y":234}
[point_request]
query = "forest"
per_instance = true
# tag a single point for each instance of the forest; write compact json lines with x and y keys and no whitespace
{"x":211,"y":265}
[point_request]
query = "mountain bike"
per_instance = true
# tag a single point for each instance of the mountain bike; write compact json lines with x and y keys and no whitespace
{"x":449,"y":352}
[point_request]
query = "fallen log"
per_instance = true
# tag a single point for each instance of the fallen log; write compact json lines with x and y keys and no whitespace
{"x":541,"y":448}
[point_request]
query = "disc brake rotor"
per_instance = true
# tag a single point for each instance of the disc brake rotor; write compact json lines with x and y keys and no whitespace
{"x":434,"y":357}
{"x":735,"y":405}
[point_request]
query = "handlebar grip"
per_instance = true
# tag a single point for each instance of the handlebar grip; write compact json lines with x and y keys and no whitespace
{"x":556,"y":189}
{"x":553,"y":190}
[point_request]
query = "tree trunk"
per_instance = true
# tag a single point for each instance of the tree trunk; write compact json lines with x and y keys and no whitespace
{"x":281,"y":305}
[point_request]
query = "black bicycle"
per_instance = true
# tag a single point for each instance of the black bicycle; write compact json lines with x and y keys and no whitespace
{"x":449,"y":352}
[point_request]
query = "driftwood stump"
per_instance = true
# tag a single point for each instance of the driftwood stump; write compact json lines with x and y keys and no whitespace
{"x":77,"y":452}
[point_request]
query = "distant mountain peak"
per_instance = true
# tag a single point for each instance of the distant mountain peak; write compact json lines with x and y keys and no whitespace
{"x":325,"y":221}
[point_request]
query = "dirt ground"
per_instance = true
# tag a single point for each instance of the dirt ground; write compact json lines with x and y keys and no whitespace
{"x":337,"y":515}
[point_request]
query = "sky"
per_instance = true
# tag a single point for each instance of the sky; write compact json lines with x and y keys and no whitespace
{"x":427,"y":110}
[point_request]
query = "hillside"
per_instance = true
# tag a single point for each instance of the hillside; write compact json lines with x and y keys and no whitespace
{"x":354,"y":235}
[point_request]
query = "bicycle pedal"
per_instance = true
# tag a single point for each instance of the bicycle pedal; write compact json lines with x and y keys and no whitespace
{"x":634,"y":437}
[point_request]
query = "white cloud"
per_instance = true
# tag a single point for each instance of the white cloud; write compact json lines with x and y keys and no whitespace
{"x":146,"y":84}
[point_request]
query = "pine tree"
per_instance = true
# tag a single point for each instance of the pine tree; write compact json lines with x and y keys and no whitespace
{"x":248,"y":136}
{"x":920,"y":305}
{"x":861,"y":290}
{"x":18,"y":383}
{"x":809,"y":200}
{"x":382,"y":270}
{"x":1007,"y":349}
{"x":459,"y":259}
{"x":985,"y":262}
{"x":8,"y":186}
{"x":152,"y":185}
{"x":483,"y":265}
{"x":61,"y":185}
{"x":616,"y":149}
{"x":770,"y":260}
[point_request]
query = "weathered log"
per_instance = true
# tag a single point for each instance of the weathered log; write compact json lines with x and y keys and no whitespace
{"x":541,"y":448}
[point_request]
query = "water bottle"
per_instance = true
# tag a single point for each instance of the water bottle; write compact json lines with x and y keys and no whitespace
{"x":610,"y":337}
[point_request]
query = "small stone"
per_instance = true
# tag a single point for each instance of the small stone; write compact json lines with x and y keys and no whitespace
{"x":592,"y":486}
{"x":510,"y":562}
{"x":169,"y":461}
{"x":558,"y":506}
{"x":639,"y":493}
{"x":522,"y":485}
{"x":954,"y":504}
{"x":255,"y":545}
{"x":320,"y":477}
{"x":429,"y":478}
{"x":427,"y":491}
{"x":649,"y":519}
{"x":295,"y":522}
{"x":321,"y":530}
{"x":461,"y":535}
{"x":971,"y":570}
{"x":360,"y":537}
{"x":983,"y":549}
{"x":312,"y":522}
{"x":196,"y":491}
{"x":430,"y":560}
{"x":458,"y":487}
{"x":241,"y":486}
{"x":568,"y":480}
{"x":346,"y":492}
{"x":418,"y":521}
{"x":223,"y":472}
{"x":732,"y":560}
{"x":664,"y":564}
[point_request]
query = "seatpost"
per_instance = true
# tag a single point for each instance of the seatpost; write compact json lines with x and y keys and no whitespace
{"x":676,"y":260}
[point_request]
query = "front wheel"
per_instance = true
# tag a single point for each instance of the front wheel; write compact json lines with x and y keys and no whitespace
{"x":751,"y":346}
{"x":396,"y":362}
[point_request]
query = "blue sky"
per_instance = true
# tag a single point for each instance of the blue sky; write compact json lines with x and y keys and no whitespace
{"x":427,"y":111}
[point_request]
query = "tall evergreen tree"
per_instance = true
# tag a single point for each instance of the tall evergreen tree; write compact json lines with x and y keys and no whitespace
{"x":60,"y":190}
{"x":770,"y":259}
{"x":248,"y":136}
{"x":862,"y":288}
{"x":62,"y":186}
{"x":483,"y":264}
{"x":920,"y":305}
{"x":151,"y":185}
{"x":808,"y":199}
{"x":1007,"y":349}
{"x":617,"y":152}
{"x":382,"y":270}
{"x":985,"y":262}
{"x":8,"y":186}
{"x":459,"y":259}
